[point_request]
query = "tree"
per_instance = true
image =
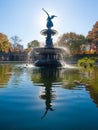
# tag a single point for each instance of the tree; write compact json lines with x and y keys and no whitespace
{"x":5,"y":45}
{"x":33,"y":43}
{"x":92,"y":36}
{"x":16,"y":43}
{"x":16,"y":40}
{"x":72,"y":41}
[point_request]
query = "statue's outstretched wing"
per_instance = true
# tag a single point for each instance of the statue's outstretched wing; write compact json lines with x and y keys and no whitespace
{"x":53,"y":16}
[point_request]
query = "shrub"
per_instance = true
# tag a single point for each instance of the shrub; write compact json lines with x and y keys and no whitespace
{"x":86,"y":62}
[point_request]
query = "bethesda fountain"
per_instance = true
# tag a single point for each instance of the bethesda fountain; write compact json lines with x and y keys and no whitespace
{"x":48,"y":55}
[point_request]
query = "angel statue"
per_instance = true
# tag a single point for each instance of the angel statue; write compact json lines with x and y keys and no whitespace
{"x":49,"y":19}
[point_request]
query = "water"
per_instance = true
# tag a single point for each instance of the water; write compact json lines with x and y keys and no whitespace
{"x":48,"y":99}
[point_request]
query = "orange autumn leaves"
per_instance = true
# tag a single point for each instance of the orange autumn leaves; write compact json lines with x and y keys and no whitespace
{"x":5,"y":45}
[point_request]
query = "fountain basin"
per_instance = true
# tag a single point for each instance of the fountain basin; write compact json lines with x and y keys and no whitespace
{"x":47,"y":57}
{"x":48,"y":63}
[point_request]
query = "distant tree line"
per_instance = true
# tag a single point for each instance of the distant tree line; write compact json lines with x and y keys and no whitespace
{"x":8,"y":48}
{"x":76,"y":43}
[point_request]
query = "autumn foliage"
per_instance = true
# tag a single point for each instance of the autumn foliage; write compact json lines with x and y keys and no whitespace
{"x":5,"y":45}
{"x":93,"y":34}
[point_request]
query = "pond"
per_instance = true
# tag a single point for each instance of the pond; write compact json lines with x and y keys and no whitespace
{"x":48,"y":99}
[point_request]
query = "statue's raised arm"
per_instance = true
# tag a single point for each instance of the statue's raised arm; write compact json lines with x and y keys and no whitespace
{"x":49,"y":21}
{"x":45,"y":12}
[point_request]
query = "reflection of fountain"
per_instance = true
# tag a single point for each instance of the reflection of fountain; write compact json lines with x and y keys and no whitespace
{"x":48,"y":55}
{"x":48,"y":97}
{"x":29,"y":56}
{"x":47,"y":78}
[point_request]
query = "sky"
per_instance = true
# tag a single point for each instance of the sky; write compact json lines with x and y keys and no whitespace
{"x":25,"y":18}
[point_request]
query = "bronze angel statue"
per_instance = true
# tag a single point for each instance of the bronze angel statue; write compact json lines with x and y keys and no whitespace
{"x":49,"y":19}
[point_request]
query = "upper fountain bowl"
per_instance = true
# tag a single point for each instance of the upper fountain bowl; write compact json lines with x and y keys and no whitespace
{"x":47,"y":32}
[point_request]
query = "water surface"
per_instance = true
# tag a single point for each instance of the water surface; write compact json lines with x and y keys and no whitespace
{"x":47,"y":98}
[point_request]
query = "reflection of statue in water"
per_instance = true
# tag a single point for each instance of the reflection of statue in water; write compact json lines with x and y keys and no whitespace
{"x":49,"y":19}
{"x":48,"y":97}
{"x":47,"y":77}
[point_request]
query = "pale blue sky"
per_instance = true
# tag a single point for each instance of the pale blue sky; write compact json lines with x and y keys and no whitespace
{"x":26,"y":19}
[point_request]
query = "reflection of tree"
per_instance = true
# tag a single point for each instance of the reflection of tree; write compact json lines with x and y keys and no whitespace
{"x":93,"y":88}
{"x":17,"y":75}
{"x":87,"y":73}
{"x":47,"y":77}
{"x":69,"y":76}
{"x":5,"y":74}
{"x":82,"y":76}
{"x":89,"y":79}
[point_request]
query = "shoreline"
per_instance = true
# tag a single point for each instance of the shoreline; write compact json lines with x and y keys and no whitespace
{"x":13,"y":61}
{"x":70,"y":62}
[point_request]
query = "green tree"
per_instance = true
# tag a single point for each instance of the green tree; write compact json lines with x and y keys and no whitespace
{"x":72,"y":41}
{"x":33,"y":43}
